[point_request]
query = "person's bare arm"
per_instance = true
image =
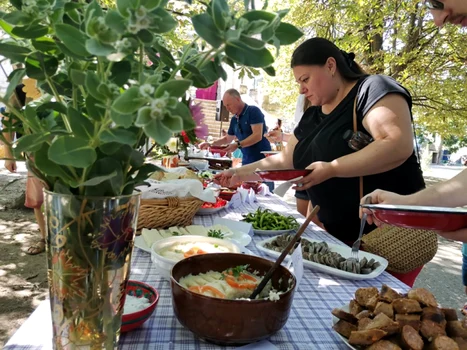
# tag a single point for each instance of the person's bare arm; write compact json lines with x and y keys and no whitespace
{"x":277,"y":136}
{"x":223,"y":140}
{"x":390,"y":125}
{"x":255,"y":137}
{"x":9,"y":136}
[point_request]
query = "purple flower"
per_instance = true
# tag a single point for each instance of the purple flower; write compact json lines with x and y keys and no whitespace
{"x":201,"y":129}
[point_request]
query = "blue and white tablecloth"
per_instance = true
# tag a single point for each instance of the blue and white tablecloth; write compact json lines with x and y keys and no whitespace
{"x":309,"y":325}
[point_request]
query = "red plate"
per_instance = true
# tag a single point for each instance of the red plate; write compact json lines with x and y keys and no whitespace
{"x":136,"y":319}
{"x":282,"y":174}
{"x":219,"y":151}
{"x":427,"y":218}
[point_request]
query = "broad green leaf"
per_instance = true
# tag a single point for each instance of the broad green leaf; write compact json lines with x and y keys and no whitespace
{"x":233,"y":34}
{"x":158,"y":131}
{"x":136,"y":159}
{"x":92,"y":82}
{"x":145,"y":172}
{"x":128,"y":102}
{"x":242,"y":54}
{"x":268,"y":33}
{"x":45,"y":165}
{"x":69,"y":53}
{"x":17,"y":4}
{"x":30,"y":32}
{"x":220,"y":12}
{"x":55,"y":106}
{"x":93,"y":9}
{"x":72,"y":151}
{"x":144,"y":116}
{"x":118,"y":135}
{"x":125,"y":6}
{"x":165,"y":55}
{"x":260,"y":15}
{"x":125,"y":120}
{"x":40,"y":66}
{"x":94,"y":108}
{"x":256,"y":27}
{"x":184,"y":112}
{"x":81,"y":126}
{"x":99,"y":179}
{"x":150,"y":4}
{"x":110,"y":148}
{"x":110,"y":187}
{"x":17,"y":18}
{"x":173,"y":123}
{"x":162,"y":22}
{"x":270,"y":71}
{"x":14,"y":79}
{"x":146,"y":36}
{"x":206,"y":29}
{"x":252,"y":43}
{"x":121,"y":72}
{"x":95,"y":47}
{"x":73,"y":39}
{"x":7,"y":28}
{"x":283,"y":13}
{"x":78,"y":77}
{"x":209,"y":72}
{"x":115,"y":21}
{"x":175,"y":88}
{"x":32,"y":121}
{"x":45,"y":45}
{"x":14,"y":52}
{"x":31,"y":143}
{"x":287,"y":33}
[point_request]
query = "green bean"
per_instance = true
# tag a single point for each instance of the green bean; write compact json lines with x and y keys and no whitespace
{"x":265,"y":219}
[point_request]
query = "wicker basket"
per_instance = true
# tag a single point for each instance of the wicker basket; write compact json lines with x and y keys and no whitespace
{"x":168,"y":212}
{"x":405,"y":249}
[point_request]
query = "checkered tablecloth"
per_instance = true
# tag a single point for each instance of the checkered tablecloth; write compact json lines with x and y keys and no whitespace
{"x":308,"y":327}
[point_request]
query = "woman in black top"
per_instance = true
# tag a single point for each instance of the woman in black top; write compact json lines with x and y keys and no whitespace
{"x":331,"y":81}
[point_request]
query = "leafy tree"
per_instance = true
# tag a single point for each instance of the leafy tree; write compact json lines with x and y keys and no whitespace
{"x":396,"y":38}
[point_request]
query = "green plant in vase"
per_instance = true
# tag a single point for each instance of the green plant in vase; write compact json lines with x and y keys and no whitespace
{"x":108,"y":83}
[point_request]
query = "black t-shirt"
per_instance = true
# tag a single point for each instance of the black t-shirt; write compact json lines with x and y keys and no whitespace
{"x":320,"y":138}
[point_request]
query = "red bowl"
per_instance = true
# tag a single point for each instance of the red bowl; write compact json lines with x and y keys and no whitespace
{"x":136,"y":319}
{"x":254,"y":185}
{"x":219,"y":151}
{"x":282,"y":174}
{"x":227,"y":195}
{"x":426,"y":218}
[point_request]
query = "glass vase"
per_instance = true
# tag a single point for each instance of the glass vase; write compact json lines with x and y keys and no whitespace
{"x":89,"y":246}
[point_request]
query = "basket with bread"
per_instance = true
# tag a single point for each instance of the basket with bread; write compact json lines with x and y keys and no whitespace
{"x":387,"y":320}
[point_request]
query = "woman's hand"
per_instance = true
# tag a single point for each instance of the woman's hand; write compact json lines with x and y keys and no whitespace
{"x":204,"y":145}
{"x":381,"y":197}
{"x":230,"y":178}
{"x":10,"y":165}
{"x":321,"y":171}
{"x":274,"y":136}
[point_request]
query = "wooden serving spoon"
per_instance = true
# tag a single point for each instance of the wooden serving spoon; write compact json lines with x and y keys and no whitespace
{"x":286,"y":251}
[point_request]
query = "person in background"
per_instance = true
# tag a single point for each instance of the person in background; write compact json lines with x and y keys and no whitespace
{"x":247,"y":129}
{"x":450,"y":193}
{"x":278,"y":126}
{"x":34,"y":187}
{"x":464,"y":275}
{"x":334,"y":84}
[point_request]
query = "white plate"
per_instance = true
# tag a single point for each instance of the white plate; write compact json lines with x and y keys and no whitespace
{"x":335,"y":320}
{"x":270,"y":152}
{"x":240,"y":238}
{"x":342,"y":250}
{"x":271,"y":232}
{"x":209,"y":211}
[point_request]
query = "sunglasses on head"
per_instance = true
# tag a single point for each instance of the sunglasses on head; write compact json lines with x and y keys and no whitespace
{"x":434,"y":4}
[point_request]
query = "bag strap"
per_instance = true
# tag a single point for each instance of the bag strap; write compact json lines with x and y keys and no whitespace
{"x":355,"y":129}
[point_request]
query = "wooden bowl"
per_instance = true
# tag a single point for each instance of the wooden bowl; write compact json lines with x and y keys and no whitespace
{"x":232,"y":322}
{"x":136,"y":319}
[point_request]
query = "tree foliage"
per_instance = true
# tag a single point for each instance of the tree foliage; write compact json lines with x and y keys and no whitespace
{"x":397,"y":38}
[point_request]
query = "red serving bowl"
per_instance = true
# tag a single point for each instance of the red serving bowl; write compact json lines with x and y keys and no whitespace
{"x":136,"y":319}
{"x":254,"y":185}
{"x":227,"y":195}
{"x":219,"y":151}
{"x":224,"y":321}
{"x":282,"y":174}
{"x":419,"y":217}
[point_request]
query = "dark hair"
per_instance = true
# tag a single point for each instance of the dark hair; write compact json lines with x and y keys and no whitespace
{"x":20,"y":94}
{"x":316,"y":51}
{"x":279,"y":122}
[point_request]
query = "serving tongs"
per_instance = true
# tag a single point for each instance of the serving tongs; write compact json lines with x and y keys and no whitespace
{"x":284,"y":253}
